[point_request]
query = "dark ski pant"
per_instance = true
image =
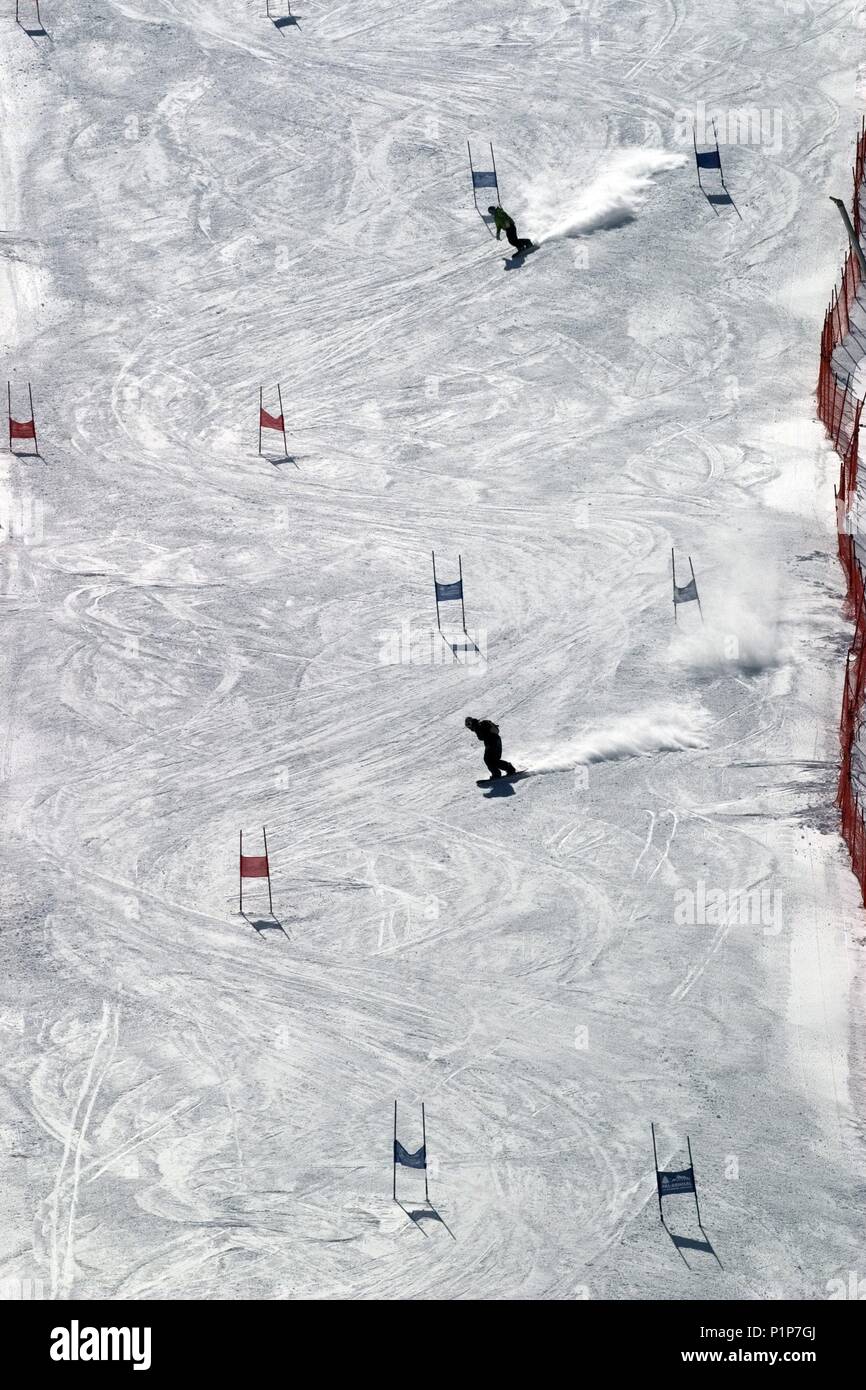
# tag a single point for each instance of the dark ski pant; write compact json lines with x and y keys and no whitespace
{"x":493,"y":762}
{"x":519,"y":243}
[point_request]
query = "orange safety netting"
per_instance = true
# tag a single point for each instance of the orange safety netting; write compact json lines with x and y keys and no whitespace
{"x":839,"y":410}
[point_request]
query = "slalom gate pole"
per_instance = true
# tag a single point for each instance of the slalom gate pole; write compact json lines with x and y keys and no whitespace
{"x":695,"y":582}
{"x":394,"y":1152}
{"x":241,"y":874}
{"x":656,"y":1166}
{"x":495,"y":175}
{"x":424,"y":1142}
{"x":283,"y":418}
{"x":261,"y":408}
{"x":462,"y":607}
{"x":472,"y":176}
{"x":435,"y":585}
{"x":9,"y":399}
{"x":694,"y":1183}
{"x":268,"y":862}
{"x":719,"y":157}
{"x":674,"y":583}
{"x":29,"y":391}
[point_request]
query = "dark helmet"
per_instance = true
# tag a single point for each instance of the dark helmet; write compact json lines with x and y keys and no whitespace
{"x":471,"y":723}
{"x":491,"y":208}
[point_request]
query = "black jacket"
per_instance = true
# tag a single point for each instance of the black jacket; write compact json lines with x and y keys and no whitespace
{"x":489,"y":735}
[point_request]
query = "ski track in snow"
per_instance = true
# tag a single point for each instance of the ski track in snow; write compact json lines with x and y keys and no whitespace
{"x":194,"y":203}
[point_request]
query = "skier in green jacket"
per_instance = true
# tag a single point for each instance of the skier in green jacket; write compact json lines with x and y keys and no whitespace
{"x":505,"y":224}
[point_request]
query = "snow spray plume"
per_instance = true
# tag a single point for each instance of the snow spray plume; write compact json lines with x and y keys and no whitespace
{"x":614,"y":198}
{"x":665,"y":729}
{"x":743,"y":646}
{"x":740,"y":633}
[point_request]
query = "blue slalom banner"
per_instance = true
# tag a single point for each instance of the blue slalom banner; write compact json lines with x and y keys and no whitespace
{"x":449,"y":591}
{"x":410,"y":1160}
{"x":676,"y":1180}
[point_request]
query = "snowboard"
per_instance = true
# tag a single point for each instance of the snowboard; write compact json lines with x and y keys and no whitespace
{"x":491,"y":781}
{"x":519,"y":255}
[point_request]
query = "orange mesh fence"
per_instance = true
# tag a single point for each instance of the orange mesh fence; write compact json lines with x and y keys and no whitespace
{"x":839,"y":410}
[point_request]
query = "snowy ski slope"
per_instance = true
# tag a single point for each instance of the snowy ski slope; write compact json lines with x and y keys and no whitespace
{"x":193,"y":203}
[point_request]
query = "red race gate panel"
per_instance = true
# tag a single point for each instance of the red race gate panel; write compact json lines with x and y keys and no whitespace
{"x":254,"y":866}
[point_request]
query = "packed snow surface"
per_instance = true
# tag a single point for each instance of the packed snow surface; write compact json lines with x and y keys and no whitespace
{"x":196,"y":202}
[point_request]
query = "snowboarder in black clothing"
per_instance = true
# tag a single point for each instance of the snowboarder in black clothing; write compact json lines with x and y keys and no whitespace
{"x":488,"y":733}
{"x":506,"y":224}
